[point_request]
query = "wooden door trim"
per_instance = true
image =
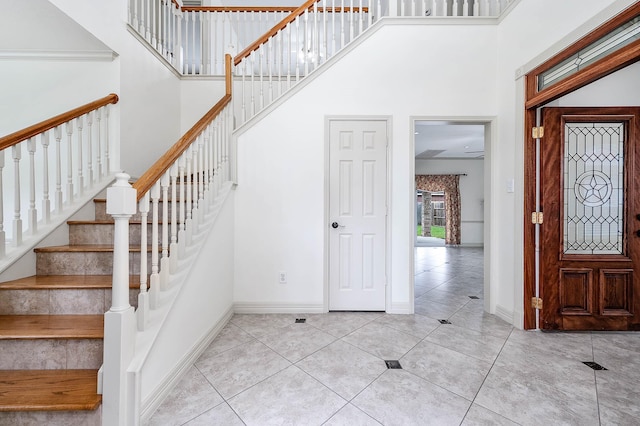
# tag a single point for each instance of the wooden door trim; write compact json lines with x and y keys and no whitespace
{"x":534,"y":99}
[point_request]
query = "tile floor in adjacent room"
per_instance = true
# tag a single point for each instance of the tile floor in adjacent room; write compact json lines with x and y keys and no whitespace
{"x":478,"y":370}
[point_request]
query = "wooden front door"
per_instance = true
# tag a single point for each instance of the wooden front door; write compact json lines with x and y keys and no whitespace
{"x":590,"y":236}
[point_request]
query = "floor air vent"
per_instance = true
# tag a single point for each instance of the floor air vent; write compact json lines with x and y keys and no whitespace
{"x":393,"y":364}
{"x":301,"y":320}
{"x":593,"y":365}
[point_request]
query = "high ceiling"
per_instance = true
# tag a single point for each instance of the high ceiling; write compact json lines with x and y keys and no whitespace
{"x":448,"y":140}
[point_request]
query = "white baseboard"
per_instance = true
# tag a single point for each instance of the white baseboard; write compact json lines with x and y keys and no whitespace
{"x":504,"y":314}
{"x":400,"y":308}
{"x":158,"y":395}
{"x":278,"y":308}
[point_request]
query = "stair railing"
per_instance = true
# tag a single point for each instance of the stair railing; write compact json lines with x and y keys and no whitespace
{"x":294,"y":47}
{"x":54,"y":181}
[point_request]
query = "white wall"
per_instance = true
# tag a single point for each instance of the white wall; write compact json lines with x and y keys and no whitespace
{"x":204,"y":302}
{"x":471,"y":194}
{"x":531,"y":33}
{"x":196,"y":98}
{"x":149,"y":92}
{"x":280,"y":221}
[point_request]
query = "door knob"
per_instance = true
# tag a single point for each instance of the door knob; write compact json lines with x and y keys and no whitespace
{"x":335,"y":225}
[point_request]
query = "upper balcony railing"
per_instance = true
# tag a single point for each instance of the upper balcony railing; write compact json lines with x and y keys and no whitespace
{"x":194,"y":40}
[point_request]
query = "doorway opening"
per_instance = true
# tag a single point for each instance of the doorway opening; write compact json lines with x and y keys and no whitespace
{"x":450,"y":187}
{"x":430,"y":219}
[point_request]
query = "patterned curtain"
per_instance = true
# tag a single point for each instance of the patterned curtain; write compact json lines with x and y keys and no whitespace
{"x":450,"y":184}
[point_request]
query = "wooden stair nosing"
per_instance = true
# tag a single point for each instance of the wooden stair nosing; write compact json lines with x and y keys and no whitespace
{"x":66,"y":282}
{"x":14,"y":327}
{"x":86,"y":248}
{"x":49,"y":390}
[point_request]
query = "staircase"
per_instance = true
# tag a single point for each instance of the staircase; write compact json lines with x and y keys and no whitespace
{"x":52,"y":327}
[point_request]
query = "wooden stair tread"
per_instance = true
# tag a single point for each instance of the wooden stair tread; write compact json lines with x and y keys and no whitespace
{"x":80,"y":248}
{"x":53,"y":282}
{"x":106,"y":222}
{"x":51,"y":327}
{"x":49,"y":390}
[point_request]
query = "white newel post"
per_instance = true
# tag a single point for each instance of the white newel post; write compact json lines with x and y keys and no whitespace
{"x":119,"y":321}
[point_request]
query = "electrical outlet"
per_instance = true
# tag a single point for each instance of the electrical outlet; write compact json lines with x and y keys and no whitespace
{"x":282,"y":277}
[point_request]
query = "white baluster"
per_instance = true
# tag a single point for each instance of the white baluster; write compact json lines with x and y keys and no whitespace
{"x":454,"y":8}
{"x":16,"y":152}
{"x":261,"y":76}
{"x":178,"y":60}
{"x":69,"y":162}
{"x":3,"y":239}
{"x":289,"y":60}
{"x":269,"y":65}
{"x":201,"y":70}
{"x":153,"y":25}
{"x":99,"y":143}
{"x":342,"y":27}
{"x":32,"y":213}
{"x":80,"y":122}
{"x":206,"y":168}
{"x":201,"y":209}
{"x":46,"y":203}
{"x":193,"y":44}
{"x":465,"y":8}
{"x":173,"y":247}
{"x":154,"y":285}
{"x":182,"y":201}
{"x":164,"y":260}
{"x":325,"y":46}
{"x":143,"y":297}
{"x":188,"y":207}
{"x":57,"y":132}
{"x":195,"y":183}
{"x":90,"y":148}
{"x":106,"y":139}
{"x":252,"y":63}
{"x":476,"y":8}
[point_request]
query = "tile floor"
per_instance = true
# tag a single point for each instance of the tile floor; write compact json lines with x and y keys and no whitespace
{"x":478,"y":370}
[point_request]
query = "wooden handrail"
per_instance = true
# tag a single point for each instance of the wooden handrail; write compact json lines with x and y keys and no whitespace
{"x":273,"y":31}
{"x":267,"y":9}
{"x":31,"y":131}
{"x":154,"y":173}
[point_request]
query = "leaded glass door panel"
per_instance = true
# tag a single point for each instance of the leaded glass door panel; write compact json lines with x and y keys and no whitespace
{"x":590,"y":238}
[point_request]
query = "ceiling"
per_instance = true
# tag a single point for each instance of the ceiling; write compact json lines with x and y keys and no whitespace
{"x":448,"y":140}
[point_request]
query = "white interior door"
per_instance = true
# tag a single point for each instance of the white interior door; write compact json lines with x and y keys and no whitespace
{"x":357,"y":215}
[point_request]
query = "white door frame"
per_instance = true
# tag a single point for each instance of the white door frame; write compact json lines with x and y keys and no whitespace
{"x":490,"y":139}
{"x":327,"y":219}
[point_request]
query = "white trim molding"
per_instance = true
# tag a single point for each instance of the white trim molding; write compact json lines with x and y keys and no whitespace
{"x":278,"y":308}
{"x":59,"y":55}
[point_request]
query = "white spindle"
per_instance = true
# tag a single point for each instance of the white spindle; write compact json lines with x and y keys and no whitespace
{"x":16,"y":152}
{"x":3,"y":239}
{"x":164,"y":260}
{"x":80,"y":123}
{"x":261,"y":77}
{"x":195,"y":215}
{"x":476,"y":8}
{"x":202,"y":44}
{"x":193,"y":44}
{"x":289,"y":54}
{"x":201,"y":209}
{"x":207,"y":164}
{"x":252,"y":65}
{"x":69,"y":162}
{"x":454,"y":8}
{"x":173,"y":247}
{"x":188,"y":206}
{"x":99,"y":143}
{"x":46,"y":203}
{"x":153,"y":25}
{"x":269,"y":65}
{"x":465,"y":8}
{"x":143,"y":297}
{"x":106,"y":139}
{"x":32,"y":213}
{"x":154,"y":285}
{"x":181,"y":201}
{"x":90,"y":149}
{"x":57,"y":132}
{"x":342,"y":26}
